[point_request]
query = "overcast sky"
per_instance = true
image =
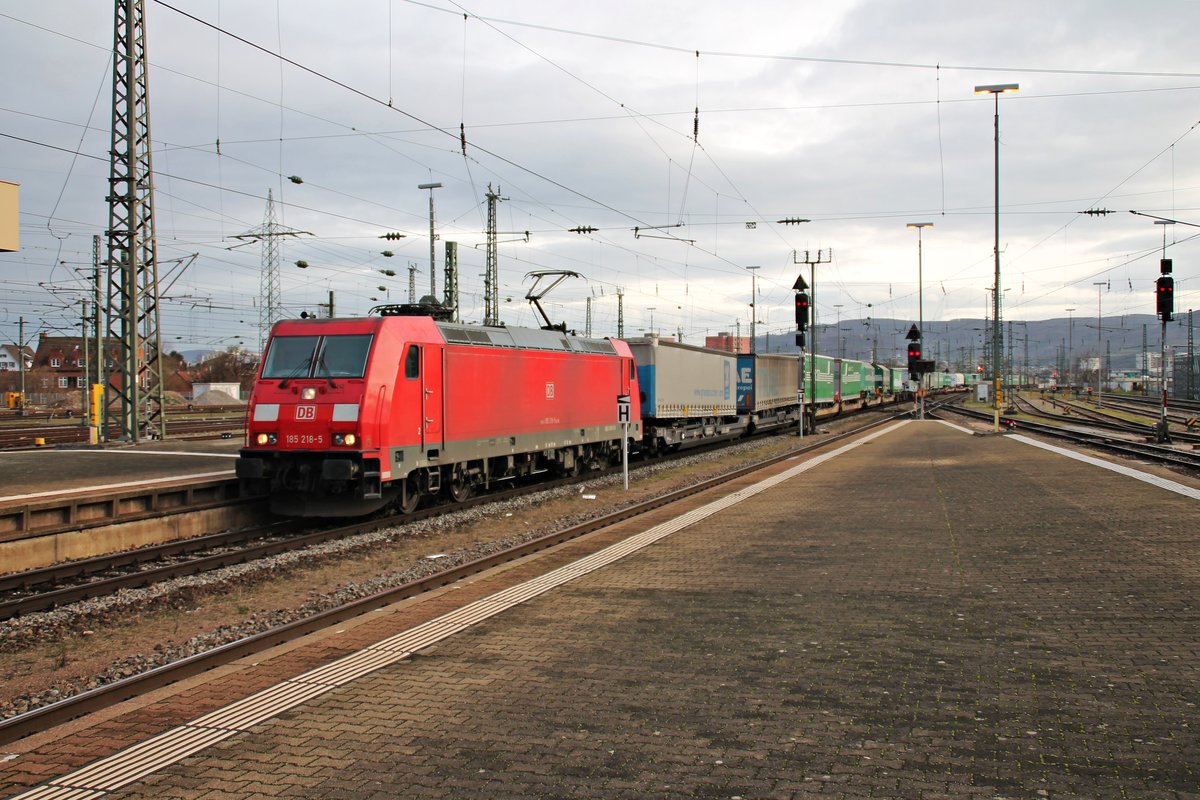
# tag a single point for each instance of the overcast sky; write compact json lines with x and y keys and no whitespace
{"x":858,"y":116}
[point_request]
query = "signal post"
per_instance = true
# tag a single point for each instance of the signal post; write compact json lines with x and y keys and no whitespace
{"x":917,"y":367}
{"x":1164,"y":298}
{"x":802,"y":313}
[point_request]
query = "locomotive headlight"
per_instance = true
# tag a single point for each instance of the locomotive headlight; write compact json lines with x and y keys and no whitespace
{"x":345,"y":439}
{"x":351,"y":440}
{"x":265,"y":438}
{"x":308,"y":393}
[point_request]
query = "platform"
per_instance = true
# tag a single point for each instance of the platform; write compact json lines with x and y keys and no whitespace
{"x":926,"y":614}
{"x":30,"y":474}
{"x":67,"y":503}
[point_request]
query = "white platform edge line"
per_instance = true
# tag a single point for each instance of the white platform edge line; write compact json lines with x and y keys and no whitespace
{"x":1121,"y":469}
{"x":649,"y":537}
{"x":959,"y":428}
{"x":128,"y":484}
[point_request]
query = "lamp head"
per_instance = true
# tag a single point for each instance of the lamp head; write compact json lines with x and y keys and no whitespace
{"x":998,"y":88}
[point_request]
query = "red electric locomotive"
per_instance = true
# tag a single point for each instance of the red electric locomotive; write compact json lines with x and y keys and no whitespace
{"x":348,"y":416}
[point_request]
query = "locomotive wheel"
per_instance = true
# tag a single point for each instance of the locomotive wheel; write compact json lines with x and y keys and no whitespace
{"x":460,"y":487}
{"x":411,"y":498}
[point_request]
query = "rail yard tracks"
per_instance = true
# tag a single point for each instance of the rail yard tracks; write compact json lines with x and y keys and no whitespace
{"x":1091,"y":437}
{"x":103,"y":696}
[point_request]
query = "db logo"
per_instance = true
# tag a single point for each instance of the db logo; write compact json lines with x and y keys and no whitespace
{"x":306,"y":412}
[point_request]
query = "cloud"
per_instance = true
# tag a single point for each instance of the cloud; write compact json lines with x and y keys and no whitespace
{"x":859,"y":117}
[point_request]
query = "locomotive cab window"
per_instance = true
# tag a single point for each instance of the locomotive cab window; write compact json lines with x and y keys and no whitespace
{"x":412,"y":362}
{"x":293,"y":357}
{"x":342,"y":356}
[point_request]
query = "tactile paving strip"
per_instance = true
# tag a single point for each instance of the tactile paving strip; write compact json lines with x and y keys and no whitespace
{"x":140,"y":760}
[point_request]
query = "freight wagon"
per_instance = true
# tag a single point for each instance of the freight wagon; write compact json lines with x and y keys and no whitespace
{"x":767,"y":390}
{"x":688,"y":393}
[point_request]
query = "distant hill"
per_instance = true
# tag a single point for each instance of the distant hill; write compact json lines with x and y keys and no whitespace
{"x":958,"y":344}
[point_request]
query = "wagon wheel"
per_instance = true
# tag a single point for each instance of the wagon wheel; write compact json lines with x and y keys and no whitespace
{"x":411,"y":496}
{"x":460,"y":486}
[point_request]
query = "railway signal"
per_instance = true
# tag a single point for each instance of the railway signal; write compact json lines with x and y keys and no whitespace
{"x":1166,"y":297}
{"x":1164,"y":290}
{"x":802,"y":311}
{"x":914,"y":358}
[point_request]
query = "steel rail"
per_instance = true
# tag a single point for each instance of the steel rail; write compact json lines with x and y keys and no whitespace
{"x":1163,"y":455}
{"x":80,"y":570}
{"x":101,"y":697}
{"x":1102,"y":421}
{"x":42,"y":601}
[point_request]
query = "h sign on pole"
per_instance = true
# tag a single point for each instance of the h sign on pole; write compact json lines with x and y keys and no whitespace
{"x":623,"y":418}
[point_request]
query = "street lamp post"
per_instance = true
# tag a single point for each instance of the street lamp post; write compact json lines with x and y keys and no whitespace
{"x":996,"y":90}
{"x":432,"y":240}
{"x":920,"y":311}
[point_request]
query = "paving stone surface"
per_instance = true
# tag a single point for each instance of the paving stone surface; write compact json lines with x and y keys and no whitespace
{"x":933,"y":615}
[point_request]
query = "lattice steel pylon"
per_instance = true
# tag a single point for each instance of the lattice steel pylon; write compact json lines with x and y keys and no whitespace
{"x":132,"y":251}
{"x":269,"y":295}
{"x":270,"y":299}
{"x":491,"y":277}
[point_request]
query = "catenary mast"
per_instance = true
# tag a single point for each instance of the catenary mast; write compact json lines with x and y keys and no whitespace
{"x":132,"y":252}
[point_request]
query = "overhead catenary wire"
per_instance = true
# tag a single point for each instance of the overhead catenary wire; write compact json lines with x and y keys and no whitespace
{"x":730,"y":212}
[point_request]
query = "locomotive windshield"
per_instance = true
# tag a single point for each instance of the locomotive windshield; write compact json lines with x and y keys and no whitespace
{"x":292,"y":357}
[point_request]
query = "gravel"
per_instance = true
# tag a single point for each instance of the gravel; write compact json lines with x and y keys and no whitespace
{"x":183,"y":593}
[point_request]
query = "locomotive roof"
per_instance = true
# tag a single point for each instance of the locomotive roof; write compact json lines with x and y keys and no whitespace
{"x":523,"y":338}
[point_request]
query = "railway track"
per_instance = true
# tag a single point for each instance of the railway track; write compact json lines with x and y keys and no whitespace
{"x":1190,"y":408}
{"x":50,"y":587}
{"x":1169,"y":456}
{"x":1099,"y":420}
{"x":18,"y":433}
{"x":1179,"y":412}
{"x":40,"y":718}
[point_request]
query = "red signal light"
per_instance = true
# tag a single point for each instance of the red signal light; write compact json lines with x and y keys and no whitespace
{"x":801,"y":310}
